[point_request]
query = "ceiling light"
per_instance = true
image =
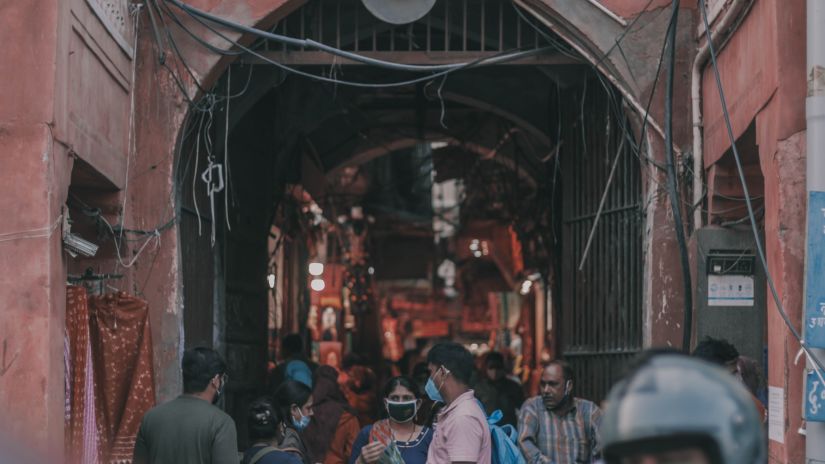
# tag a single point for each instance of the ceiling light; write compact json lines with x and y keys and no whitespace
{"x":316,"y":269}
{"x":318,"y":285}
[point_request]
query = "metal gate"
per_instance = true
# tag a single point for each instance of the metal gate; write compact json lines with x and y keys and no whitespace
{"x":197,"y":255}
{"x":601,"y":304}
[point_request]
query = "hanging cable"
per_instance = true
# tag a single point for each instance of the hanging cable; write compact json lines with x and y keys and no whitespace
{"x":747,"y":197}
{"x":672,"y":186}
{"x":226,"y":150}
{"x":500,"y":58}
{"x":309,"y":43}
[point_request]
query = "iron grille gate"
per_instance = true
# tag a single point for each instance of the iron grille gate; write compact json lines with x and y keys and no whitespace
{"x":453,"y":31}
{"x":601,"y":305}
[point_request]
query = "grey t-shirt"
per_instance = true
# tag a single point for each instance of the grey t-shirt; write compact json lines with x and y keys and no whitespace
{"x":186,"y":430}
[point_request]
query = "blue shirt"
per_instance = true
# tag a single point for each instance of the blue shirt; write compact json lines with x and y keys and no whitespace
{"x":413,"y":452}
{"x":273,"y":457}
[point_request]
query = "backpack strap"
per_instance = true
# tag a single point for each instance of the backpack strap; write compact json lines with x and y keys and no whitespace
{"x":261,"y":453}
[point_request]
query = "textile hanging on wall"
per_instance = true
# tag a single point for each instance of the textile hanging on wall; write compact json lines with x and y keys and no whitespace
{"x":81,"y":427}
{"x":124,"y":377}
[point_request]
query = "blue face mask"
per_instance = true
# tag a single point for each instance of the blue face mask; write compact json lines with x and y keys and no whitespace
{"x":302,"y":423}
{"x":432,"y":391}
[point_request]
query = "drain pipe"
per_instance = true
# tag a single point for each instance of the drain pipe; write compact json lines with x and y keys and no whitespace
{"x":815,"y":133}
{"x":723,"y":31}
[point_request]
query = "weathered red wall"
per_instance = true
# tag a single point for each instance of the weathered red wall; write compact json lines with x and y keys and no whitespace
{"x":31,"y":333}
{"x":763,"y":73}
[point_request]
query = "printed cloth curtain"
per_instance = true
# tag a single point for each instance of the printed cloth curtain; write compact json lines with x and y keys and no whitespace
{"x":124,"y":380}
{"x":81,"y":426}
{"x":110,"y":381}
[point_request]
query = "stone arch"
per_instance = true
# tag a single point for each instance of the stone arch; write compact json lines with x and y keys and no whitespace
{"x":161,"y":112}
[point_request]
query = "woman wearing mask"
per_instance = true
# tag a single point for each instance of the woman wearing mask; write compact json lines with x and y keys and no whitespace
{"x":264,"y":423}
{"x":293,"y":402}
{"x":398,"y":438}
{"x":333,"y":429}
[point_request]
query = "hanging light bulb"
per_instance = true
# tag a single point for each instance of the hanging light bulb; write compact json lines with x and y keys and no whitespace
{"x":316,"y":269}
{"x":525,"y":287}
{"x":318,"y":285}
{"x":270,"y":279}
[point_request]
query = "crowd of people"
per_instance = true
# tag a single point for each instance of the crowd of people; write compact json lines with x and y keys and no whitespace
{"x":669,"y":408}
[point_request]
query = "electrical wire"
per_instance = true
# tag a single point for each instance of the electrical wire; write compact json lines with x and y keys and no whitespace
{"x":500,"y":58}
{"x":747,"y":197}
{"x":309,"y":43}
{"x":43,"y":232}
{"x":614,"y":105}
{"x":672,"y":186}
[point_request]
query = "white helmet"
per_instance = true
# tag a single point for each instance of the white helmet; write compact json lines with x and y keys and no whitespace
{"x":676,"y":402}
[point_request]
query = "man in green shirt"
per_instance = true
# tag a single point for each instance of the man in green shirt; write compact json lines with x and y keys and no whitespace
{"x":190,"y":429}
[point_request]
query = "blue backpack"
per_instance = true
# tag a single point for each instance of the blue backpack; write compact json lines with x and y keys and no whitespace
{"x":505,"y":441}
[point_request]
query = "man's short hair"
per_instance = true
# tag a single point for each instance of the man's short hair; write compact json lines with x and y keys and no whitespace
{"x":455,"y":358}
{"x":494,"y":359}
{"x":566,"y":368}
{"x":716,"y":350}
{"x":199,"y":366}
{"x":292,"y":344}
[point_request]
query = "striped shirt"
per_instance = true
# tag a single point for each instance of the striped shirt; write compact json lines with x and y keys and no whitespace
{"x":546,"y":437}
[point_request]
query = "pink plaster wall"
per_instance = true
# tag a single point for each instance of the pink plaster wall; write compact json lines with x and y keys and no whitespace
{"x":31,"y":342}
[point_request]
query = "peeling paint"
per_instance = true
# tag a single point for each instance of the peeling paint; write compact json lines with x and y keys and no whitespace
{"x":816,"y":81}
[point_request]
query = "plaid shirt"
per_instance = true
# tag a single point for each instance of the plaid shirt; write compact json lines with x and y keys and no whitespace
{"x":546,"y":437}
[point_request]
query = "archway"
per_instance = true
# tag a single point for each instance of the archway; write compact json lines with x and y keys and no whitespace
{"x":527,"y":125}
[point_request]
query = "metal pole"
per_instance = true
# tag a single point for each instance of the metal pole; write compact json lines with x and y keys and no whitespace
{"x":815,"y":115}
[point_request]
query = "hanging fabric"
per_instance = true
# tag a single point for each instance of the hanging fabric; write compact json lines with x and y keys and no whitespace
{"x":124,"y":377}
{"x":81,"y":427}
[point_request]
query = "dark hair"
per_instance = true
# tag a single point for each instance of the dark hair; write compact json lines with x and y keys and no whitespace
{"x":716,"y":350}
{"x":751,"y":377}
{"x":455,"y":358}
{"x":405,"y":382}
{"x":290,"y":392}
{"x":566,"y":369}
{"x":352,"y":359}
{"x":292,"y":344}
{"x":199,"y":366}
{"x":421,"y":371}
{"x":495,"y":358}
{"x":263,"y":419}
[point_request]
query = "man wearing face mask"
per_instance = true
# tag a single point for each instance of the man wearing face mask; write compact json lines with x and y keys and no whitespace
{"x":190,"y":429}
{"x":556,"y":427}
{"x":462,"y":434}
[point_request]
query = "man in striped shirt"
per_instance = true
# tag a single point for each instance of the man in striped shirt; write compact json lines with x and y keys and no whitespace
{"x":555,"y":427}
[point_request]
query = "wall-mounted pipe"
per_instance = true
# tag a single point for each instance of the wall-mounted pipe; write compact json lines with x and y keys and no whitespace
{"x":721,"y":33}
{"x":815,"y":178}
{"x":609,"y":13}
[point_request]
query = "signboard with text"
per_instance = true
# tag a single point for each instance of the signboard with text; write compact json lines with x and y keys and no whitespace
{"x":814,"y":398}
{"x":815,"y":270}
